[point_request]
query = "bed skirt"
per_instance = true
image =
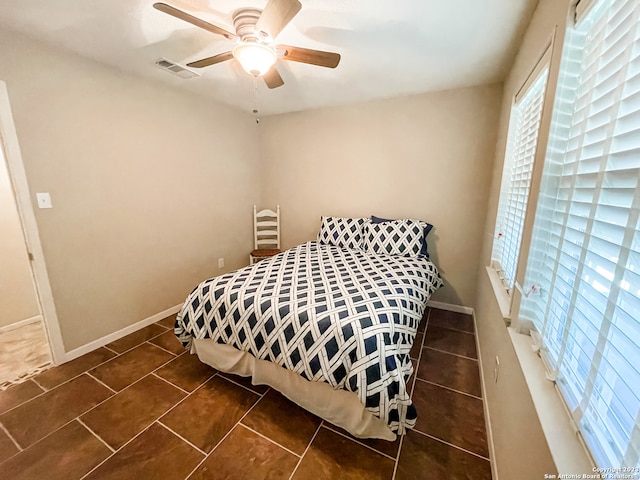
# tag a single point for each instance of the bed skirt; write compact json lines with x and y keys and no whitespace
{"x":339,"y":407}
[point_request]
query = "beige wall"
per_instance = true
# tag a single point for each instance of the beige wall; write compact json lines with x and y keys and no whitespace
{"x":17,"y":293}
{"x":425,"y":156}
{"x":149,"y":186}
{"x":521,"y":448}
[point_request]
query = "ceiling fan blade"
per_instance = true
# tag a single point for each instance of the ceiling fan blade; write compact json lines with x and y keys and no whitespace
{"x":174,"y":12}
{"x":306,"y":55}
{"x":205,"y":62}
{"x":276,"y":15}
{"x":272,"y":78}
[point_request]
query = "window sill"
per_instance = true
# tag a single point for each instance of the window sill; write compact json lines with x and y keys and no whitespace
{"x":567,"y":449}
{"x":503,"y":298}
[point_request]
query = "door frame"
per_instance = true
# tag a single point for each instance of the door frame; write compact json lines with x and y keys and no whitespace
{"x":18,"y":181}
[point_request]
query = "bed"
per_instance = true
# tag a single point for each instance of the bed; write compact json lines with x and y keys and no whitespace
{"x":329,"y":323}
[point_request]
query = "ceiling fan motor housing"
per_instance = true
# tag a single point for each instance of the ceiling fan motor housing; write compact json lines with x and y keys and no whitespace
{"x":255,"y":32}
{"x":254,"y":52}
{"x":244,"y":21}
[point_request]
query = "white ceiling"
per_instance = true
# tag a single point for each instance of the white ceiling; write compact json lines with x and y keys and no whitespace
{"x":388,"y":48}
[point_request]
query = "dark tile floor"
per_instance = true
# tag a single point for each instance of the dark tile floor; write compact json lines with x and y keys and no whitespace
{"x":143,"y":408}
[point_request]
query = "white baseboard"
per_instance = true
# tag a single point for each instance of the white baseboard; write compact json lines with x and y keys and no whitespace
{"x":101,"y":342}
{"x":451,"y":307}
{"x":485,"y":406}
{"x":470,"y":311}
{"x":20,"y":323}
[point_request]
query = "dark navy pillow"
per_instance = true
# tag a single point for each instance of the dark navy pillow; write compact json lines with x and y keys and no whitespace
{"x":427,"y":229}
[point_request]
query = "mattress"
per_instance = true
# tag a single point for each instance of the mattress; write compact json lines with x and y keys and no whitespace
{"x":336,"y":316}
{"x":338,"y":407}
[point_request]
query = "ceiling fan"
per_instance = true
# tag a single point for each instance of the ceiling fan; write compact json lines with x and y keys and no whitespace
{"x":255,"y":33}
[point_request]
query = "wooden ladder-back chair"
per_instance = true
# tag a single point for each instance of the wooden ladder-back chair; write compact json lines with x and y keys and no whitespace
{"x":266,"y":234}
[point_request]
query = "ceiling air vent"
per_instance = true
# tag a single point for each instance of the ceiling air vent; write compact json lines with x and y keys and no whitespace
{"x":176,"y":69}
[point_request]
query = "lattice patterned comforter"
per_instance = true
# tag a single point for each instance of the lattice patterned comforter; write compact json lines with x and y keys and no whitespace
{"x":334,"y":315}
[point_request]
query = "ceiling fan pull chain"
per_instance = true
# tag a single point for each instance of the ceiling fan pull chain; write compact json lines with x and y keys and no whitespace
{"x":255,"y":99}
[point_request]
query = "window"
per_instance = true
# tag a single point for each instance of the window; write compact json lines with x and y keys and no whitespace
{"x":516,"y":179}
{"x":585,"y":250}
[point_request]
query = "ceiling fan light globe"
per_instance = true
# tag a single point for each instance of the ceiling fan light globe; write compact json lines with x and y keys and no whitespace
{"x":256,"y":59}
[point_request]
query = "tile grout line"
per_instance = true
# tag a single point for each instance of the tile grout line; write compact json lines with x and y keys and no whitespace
{"x":485,"y":407}
{"x":112,"y":455}
{"x":135,"y":436}
{"x":453,"y":390}
{"x":453,"y":445}
{"x":239,"y":422}
{"x":33,"y":379}
{"x":415,"y":373}
{"x":449,"y":388}
{"x":162,"y":348}
{"x":26,"y":401}
{"x":450,"y":353}
{"x":166,"y":328}
{"x":121,"y":391}
{"x":240,"y":385}
{"x":146,"y":340}
{"x":115,"y":392}
{"x":306,"y":450}
{"x":165,"y":363}
{"x":157,"y":420}
{"x":181,"y":438}
{"x":357,"y":440}
{"x":176,"y":386}
{"x":15,"y":442}
{"x":109,"y":398}
{"x":111,"y":350}
{"x":52,"y":389}
{"x":95,"y":434}
{"x":455,"y":329}
{"x":82,"y":372}
{"x":413,"y":387}
{"x":164,"y":414}
{"x":225,"y":436}
{"x":455,"y":314}
{"x":397,"y":462}
{"x":41,"y":439}
{"x":47,"y":390}
{"x":46,"y":436}
{"x":112,"y":396}
{"x":199,"y":464}
{"x":156,"y":346}
{"x":269,"y":439}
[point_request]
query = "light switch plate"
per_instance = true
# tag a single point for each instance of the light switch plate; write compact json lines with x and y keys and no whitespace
{"x":44,"y":200}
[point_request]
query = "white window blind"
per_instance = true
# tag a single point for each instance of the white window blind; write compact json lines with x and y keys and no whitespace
{"x":516,"y":179}
{"x":585,"y":253}
{"x":582,"y":8}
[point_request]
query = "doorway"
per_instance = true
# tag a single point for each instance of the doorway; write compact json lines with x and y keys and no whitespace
{"x":24,"y":347}
{"x":29,"y":334}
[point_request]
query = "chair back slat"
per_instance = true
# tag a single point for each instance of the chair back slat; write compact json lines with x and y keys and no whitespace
{"x":266,"y":230}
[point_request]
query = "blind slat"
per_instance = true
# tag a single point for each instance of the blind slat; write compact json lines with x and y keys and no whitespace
{"x":586,"y":236}
{"x":522,"y":143}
